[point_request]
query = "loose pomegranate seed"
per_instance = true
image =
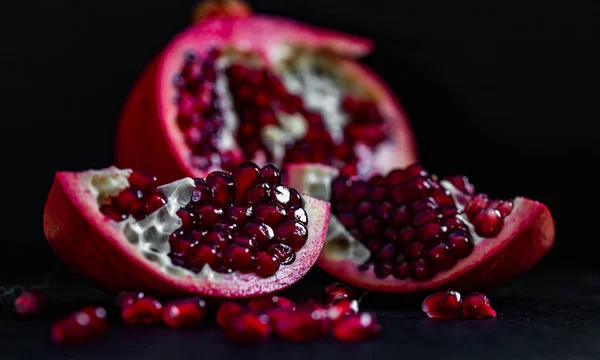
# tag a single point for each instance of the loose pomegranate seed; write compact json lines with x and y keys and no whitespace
{"x":342,"y":308}
{"x":227,"y":312}
{"x":30,"y":303}
{"x":127,"y":298}
{"x":261,"y":304}
{"x":146,"y":310}
{"x":488,"y":222}
{"x":249,"y":328}
{"x":357,"y":328}
{"x":337,"y":292}
{"x":443,"y":305}
{"x":184,"y":312}
{"x":477,"y":306}
{"x":80,"y":326}
{"x":299,"y":325}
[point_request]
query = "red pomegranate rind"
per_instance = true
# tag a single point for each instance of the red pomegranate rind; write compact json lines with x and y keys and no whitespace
{"x":527,"y":235}
{"x":151,"y":106}
{"x":94,"y":246}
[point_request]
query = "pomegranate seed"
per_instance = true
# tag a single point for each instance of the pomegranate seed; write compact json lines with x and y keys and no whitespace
{"x":129,"y":200}
{"x":271,"y":175}
{"x":227,"y":312}
{"x":443,"y":305}
{"x":420,"y":270}
{"x":283,"y":252}
{"x":146,"y":310}
{"x":454,"y":224}
{"x":299,"y":325}
{"x":442,"y":197}
{"x":478,"y":203}
{"x":383,"y":210}
{"x":204,"y":254}
{"x":188,"y":219}
{"x":477,"y":306}
{"x":127,"y":298}
{"x":462,"y":183}
{"x":448,"y":211}
{"x":342,"y":308}
{"x":201,"y":193}
{"x":400,"y":217}
{"x":430,"y":233}
{"x":414,"y":251}
{"x":505,"y":207}
{"x":460,"y":244}
{"x":439,"y":257}
{"x":80,"y":326}
{"x":239,"y":214}
{"x":363,"y":208}
{"x":357,"y":327}
{"x":184,"y":312}
{"x":270,"y":214}
{"x":219,"y":239}
{"x":221,"y":186}
{"x":153,"y":203}
{"x":358,"y":191}
{"x":400,"y":271}
{"x":297,"y":213}
{"x":208,"y":215}
{"x":424,"y":204}
{"x":245,"y":176}
{"x":113,"y":213}
{"x":383,"y":269}
{"x":292,"y":233}
{"x":263,"y":233}
{"x":337,"y":292}
{"x":181,"y":247}
{"x":339,"y":188}
{"x":386,"y":253}
{"x":30,"y":303}
{"x":259,"y":194}
{"x":238,"y":257}
{"x":371,"y":226}
{"x":347,"y":220}
{"x":423,"y":217}
{"x":249,"y":328}
{"x":488,"y":222}
{"x":264,"y":303}
{"x":266,"y":264}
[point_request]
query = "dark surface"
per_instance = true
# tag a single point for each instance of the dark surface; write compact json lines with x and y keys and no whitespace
{"x":548,"y":314}
{"x":505,"y":92}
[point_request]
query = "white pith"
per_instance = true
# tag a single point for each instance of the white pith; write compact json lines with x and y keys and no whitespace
{"x":339,"y":243}
{"x":322,"y":93}
{"x":150,"y":236}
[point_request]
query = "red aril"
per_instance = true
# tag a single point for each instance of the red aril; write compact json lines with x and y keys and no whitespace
{"x":261,"y":88}
{"x":192,"y":241}
{"x":337,"y":292}
{"x":143,"y":311}
{"x":357,"y":327}
{"x":408,"y":231}
{"x":184,"y":312}
{"x":249,"y":328}
{"x":443,"y":305}
{"x":31,"y":303}
{"x":80,"y":326}
{"x":228,"y":312}
{"x":477,"y":306}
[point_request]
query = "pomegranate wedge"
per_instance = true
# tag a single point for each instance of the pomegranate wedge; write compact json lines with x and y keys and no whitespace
{"x":229,"y":235}
{"x":265,"y":89}
{"x":408,"y":231}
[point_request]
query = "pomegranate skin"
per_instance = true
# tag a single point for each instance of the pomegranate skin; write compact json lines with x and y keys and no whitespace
{"x":95,"y":247}
{"x":148,"y":137}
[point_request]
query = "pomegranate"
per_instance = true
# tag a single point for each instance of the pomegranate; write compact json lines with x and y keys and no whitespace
{"x":408,"y":231}
{"x":80,"y":326}
{"x":235,"y":235}
{"x":261,"y":88}
{"x":31,"y":303}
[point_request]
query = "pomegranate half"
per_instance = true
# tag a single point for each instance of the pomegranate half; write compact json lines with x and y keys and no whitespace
{"x":265,"y":89}
{"x":409,"y":231}
{"x":230,"y":235}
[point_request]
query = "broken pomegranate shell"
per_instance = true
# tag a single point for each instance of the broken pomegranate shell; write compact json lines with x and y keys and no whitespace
{"x":408,"y":231}
{"x":183,"y":237}
{"x":265,"y":89}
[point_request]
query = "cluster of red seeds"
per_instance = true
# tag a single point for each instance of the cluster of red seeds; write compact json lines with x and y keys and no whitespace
{"x":199,"y":116}
{"x":244,"y":221}
{"x":139,"y":199}
{"x":411,"y":224}
{"x":309,"y":321}
{"x":450,"y":305}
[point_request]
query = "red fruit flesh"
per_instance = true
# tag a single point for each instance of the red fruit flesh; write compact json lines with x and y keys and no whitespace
{"x":337,"y":292}
{"x":235,"y":88}
{"x":249,"y":328}
{"x":184,"y":312}
{"x":357,"y":327}
{"x":80,"y":326}
{"x":443,"y":305}
{"x":299,"y":326}
{"x":228,"y":312}
{"x":195,"y":240}
{"x":410,"y":232}
{"x":143,"y":311}
{"x":477,"y":306}
{"x":30,"y":303}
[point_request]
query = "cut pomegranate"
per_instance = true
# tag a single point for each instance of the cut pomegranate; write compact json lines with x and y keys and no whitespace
{"x":184,"y":312}
{"x":357,"y":327}
{"x":31,"y":303}
{"x":443,"y":305}
{"x":80,"y":326}
{"x":477,"y":306}
{"x":408,"y":231}
{"x":262,"y":88}
{"x":208,"y":236}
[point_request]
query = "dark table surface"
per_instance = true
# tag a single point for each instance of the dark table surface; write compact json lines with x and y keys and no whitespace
{"x":547,"y":314}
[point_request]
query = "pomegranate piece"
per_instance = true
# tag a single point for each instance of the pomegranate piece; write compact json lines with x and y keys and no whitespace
{"x":443,"y":305}
{"x":337,"y":292}
{"x":227,"y":312}
{"x":143,"y":311}
{"x":249,"y":328}
{"x":80,"y":326}
{"x":203,"y":226}
{"x":357,"y":327}
{"x":261,"y":304}
{"x":477,"y":306}
{"x":423,"y":233}
{"x":184,"y":312}
{"x":31,"y":303}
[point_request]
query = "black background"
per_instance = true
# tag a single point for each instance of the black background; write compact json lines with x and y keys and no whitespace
{"x":505,"y":92}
